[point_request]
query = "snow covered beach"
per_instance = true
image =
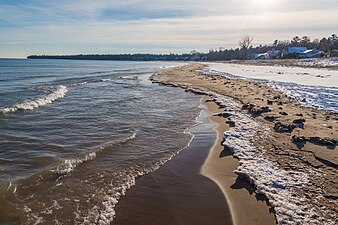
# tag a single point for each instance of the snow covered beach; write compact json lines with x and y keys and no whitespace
{"x":288,"y":151}
{"x":314,"y":87}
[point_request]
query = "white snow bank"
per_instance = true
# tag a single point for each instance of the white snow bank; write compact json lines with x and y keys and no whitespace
{"x":324,"y":96}
{"x":318,"y":62}
{"x":298,"y":75}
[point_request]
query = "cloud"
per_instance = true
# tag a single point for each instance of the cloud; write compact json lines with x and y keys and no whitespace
{"x":47,"y":26}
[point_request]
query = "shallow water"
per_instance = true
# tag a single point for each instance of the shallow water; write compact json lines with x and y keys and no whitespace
{"x":74,"y":135}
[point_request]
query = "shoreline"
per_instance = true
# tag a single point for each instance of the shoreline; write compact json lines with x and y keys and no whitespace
{"x":294,"y":148}
{"x":228,"y":199}
{"x":177,"y":193}
{"x":240,"y":195}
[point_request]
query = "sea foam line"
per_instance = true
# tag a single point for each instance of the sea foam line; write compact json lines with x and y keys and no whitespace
{"x":106,"y":215}
{"x":60,"y":92}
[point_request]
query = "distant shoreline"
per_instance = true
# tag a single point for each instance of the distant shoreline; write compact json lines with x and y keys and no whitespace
{"x":330,"y":63}
{"x":124,"y":57}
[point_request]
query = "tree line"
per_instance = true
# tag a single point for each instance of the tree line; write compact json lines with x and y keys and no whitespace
{"x":244,"y":51}
{"x":117,"y":57}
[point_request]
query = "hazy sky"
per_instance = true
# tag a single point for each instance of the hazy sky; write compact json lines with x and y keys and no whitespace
{"x":155,"y":26}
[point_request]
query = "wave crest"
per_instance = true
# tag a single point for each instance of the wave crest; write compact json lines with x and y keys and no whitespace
{"x":70,"y":164}
{"x":59,"y":92}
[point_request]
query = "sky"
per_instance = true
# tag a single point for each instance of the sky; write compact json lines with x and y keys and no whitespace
{"x":155,"y":26}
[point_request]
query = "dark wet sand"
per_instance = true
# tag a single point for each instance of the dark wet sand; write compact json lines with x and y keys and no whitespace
{"x":177,"y":193}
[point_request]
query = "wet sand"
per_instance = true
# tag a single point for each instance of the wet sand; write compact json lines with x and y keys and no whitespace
{"x":198,"y":186}
{"x":177,"y":193}
{"x":246,"y":206}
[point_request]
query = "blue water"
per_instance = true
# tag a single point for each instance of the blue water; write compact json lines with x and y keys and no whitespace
{"x":75,"y":134}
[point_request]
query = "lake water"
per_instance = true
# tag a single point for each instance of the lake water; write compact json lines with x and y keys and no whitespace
{"x":74,"y":135}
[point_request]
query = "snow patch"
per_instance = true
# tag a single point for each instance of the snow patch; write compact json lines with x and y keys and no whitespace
{"x":322,"y":97}
{"x":331,"y":62}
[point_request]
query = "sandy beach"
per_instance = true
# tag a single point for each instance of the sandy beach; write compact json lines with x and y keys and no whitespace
{"x":297,"y":144}
{"x":172,"y":112}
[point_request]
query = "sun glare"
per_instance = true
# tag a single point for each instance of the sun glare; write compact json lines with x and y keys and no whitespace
{"x":263,"y":2}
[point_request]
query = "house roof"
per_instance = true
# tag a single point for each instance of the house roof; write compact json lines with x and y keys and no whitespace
{"x":310,"y":51}
{"x":297,"y":49}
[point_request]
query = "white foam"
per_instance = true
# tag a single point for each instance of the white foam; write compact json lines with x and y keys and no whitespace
{"x":79,"y":84}
{"x":59,"y":92}
{"x":70,"y":164}
{"x":172,"y":66}
{"x":277,"y":184}
{"x":106,"y":215}
{"x":129,"y":77}
{"x":105,"y":79}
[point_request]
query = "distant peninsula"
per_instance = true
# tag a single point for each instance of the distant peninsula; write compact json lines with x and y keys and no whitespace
{"x":126,"y":57}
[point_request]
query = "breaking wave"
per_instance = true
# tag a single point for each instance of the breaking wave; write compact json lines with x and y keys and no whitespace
{"x":106,"y":215}
{"x":70,"y":164}
{"x":59,"y":92}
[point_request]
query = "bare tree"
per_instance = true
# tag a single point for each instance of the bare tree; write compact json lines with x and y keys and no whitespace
{"x":245,"y":42}
{"x":305,"y":41}
{"x":295,"y":41}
